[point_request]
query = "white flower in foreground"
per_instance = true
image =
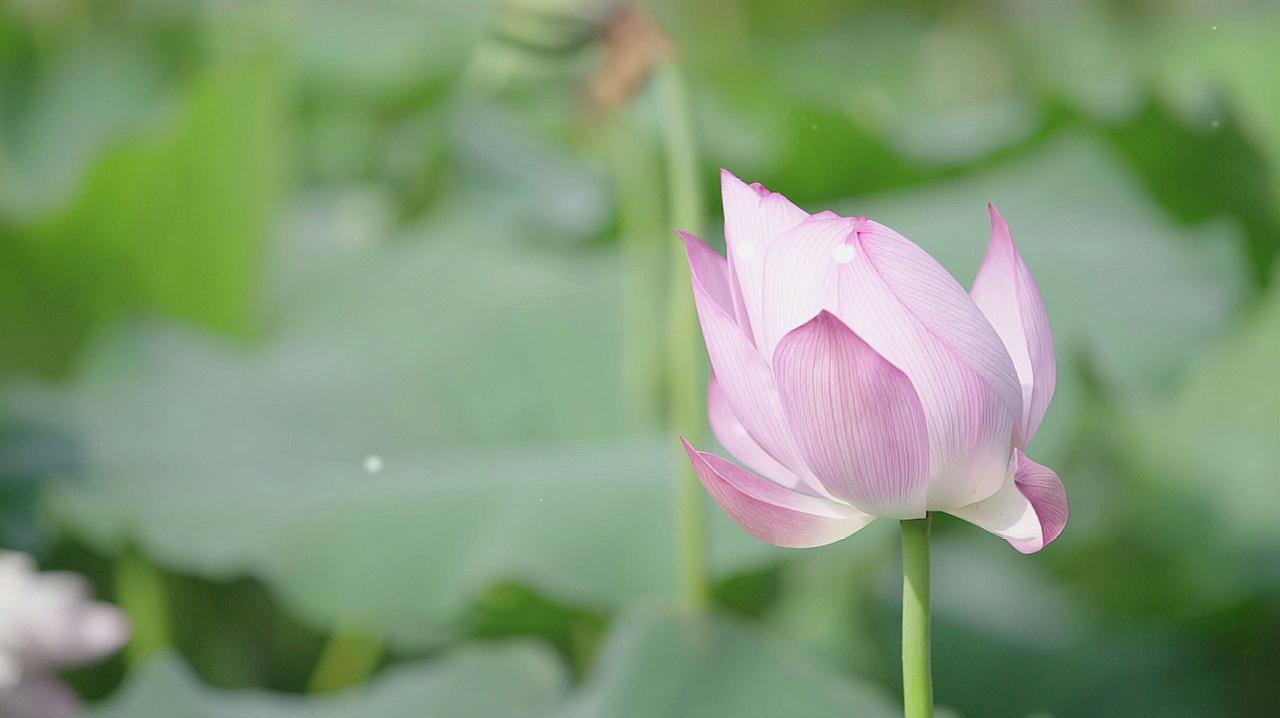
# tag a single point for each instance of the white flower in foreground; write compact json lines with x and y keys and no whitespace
{"x":48,"y":621}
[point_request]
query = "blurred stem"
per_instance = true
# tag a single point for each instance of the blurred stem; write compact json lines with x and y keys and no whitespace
{"x":348,"y":659}
{"x":141,"y":593}
{"x":917,"y":678}
{"x":635,"y":163}
{"x":685,"y":395}
{"x":681,"y":147}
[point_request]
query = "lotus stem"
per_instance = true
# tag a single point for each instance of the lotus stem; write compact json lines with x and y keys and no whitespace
{"x":917,"y":678}
{"x":636,"y":164}
{"x":684,"y":386}
{"x":141,"y":593}
{"x":348,"y":659}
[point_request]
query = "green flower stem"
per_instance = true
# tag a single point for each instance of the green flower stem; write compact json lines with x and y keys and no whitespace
{"x":348,"y":659}
{"x":141,"y":593}
{"x":635,"y":162}
{"x":684,"y":361}
{"x":917,"y":679}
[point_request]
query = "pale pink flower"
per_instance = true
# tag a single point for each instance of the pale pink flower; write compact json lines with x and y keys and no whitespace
{"x":47,"y":622}
{"x":857,"y":379}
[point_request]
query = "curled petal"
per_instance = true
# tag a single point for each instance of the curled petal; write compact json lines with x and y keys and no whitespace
{"x":709,"y":270}
{"x":733,"y":436}
{"x":770,"y":512}
{"x":856,"y":418}
{"x":1007,"y":294}
{"x":753,"y":218}
{"x":741,"y":371}
{"x":1029,"y":512}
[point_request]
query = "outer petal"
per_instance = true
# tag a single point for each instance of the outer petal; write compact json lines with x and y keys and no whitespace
{"x":753,"y":218}
{"x":770,"y":512}
{"x":856,"y":417}
{"x":1007,"y":294}
{"x":743,"y":374}
{"x":900,"y":301}
{"x":709,"y":270}
{"x":67,"y":627}
{"x":903,"y":303}
{"x":733,"y":436}
{"x":1029,"y":512}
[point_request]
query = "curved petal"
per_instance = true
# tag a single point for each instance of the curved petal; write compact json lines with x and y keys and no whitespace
{"x":856,"y":417}
{"x":743,"y":374}
{"x":770,"y":512}
{"x":902,"y":303}
{"x":1007,"y":294}
{"x":733,"y":436}
{"x":102,"y":629}
{"x":753,"y":218}
{"x":709,"y":270}
{"x":71,"y":628}
{"x":1029,"y":512}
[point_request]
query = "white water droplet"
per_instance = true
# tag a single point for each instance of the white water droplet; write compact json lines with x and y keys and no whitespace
{"x":746,"y":250}
{"x":373,"y":464}
{"x":843,"y":253}
{"x":1215,"y":27}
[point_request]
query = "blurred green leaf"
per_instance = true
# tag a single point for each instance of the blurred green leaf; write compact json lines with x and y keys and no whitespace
{"x":1000,"y":613}
{"x":824,"y":603}
{"x":664,"y":666}
{"x":485,"y":380}
{"x":1098,"y":69}
{"x":543,"y":188}
{"x":1199,"y":176}
{"x":172,"y":222}
{"x":384,"y":52}
{"x":1117,"y":671}
{"x":511,"y":681}
{"x":1198,"y":56}
{"x":937,"y":87}
{"x":1217,"y":437}
{"x":653,"y":665}
{"x":1007,"y":597}
{"x":93,"y":94}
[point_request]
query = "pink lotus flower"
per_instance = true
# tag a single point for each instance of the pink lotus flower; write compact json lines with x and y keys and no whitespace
{"x":48,"y":622}
{"x":857,"y":379}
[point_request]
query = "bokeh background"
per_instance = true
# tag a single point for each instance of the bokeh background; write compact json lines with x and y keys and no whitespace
{"x":336,"y":347}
